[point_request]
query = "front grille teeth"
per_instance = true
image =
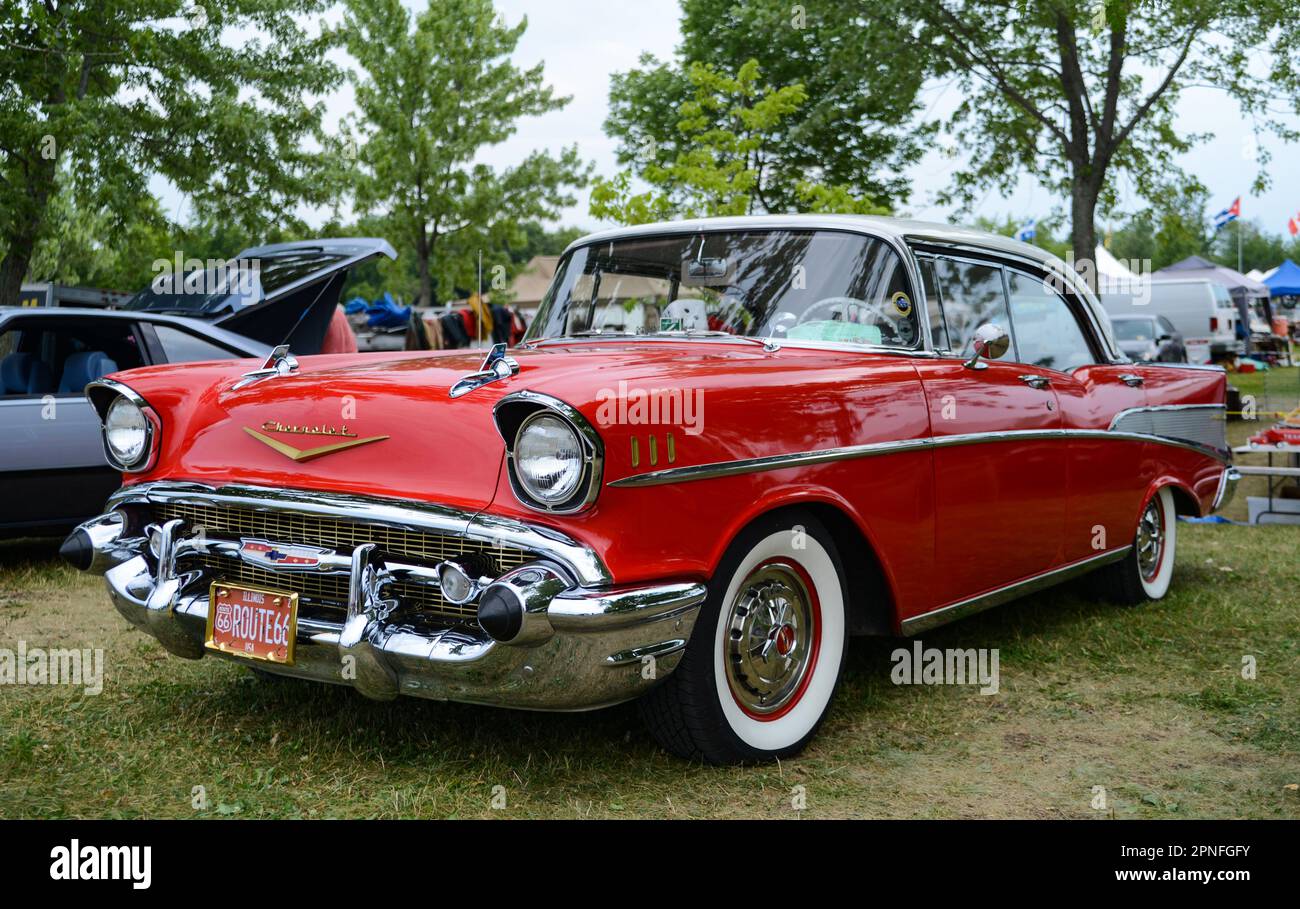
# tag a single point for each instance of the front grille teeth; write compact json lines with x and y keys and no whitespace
{"x":329,"y":592}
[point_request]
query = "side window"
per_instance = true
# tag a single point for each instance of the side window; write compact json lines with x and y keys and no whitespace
{"x":1166,"y":327}
{"x":1047,"y":333}
{"x":182,"y":347}
{"x":972,"y":294}
{"x":59,"y":356}
{"x":934,"y":306}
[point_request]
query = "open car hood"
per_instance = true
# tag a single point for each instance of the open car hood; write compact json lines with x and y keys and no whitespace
{"x":277,"y":294}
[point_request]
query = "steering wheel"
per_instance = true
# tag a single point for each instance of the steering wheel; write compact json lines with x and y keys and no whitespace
{"x":896,"y":324}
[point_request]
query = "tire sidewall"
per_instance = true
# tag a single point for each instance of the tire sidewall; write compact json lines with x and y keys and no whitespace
{"x":1158,"y":586}
{"x":776,"y":537}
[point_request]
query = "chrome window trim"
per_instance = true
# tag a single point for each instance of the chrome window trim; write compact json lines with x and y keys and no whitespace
{"x":153,"y":425}
{"x":592,"y":444}
{"x":1030,"y":268}
{"x":898,"y":244}
{"x":875,"y":449}
{"x":585,"y":564}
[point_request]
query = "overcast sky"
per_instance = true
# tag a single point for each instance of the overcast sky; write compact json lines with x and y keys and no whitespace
{"x":582,"y":42}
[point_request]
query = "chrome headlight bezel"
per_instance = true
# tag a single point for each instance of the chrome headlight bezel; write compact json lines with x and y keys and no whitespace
{"x":104,"y":394}
{"x":514,"y":413}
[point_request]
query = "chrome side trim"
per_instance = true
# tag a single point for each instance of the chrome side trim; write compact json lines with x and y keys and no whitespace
{"x":584,"y":563}
{"x":950,"y":613}
{"x":1204,"y":367}
{"x":1202,"y":424}
{"x":875,"y":449}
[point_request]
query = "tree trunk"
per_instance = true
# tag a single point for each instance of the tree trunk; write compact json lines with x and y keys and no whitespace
{"x":422,"y":253}
{"x":21,"y":234}
{"x":1083,"y":227}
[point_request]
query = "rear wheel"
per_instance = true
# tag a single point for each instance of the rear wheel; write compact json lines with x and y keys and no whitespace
{"x":1146,"y":572}
{"x":764,"y":659}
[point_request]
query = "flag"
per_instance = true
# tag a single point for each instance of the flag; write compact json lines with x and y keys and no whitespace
{"x":1231,"y":213}
{"x":1294,"y":226}
{"x":1028,"y":231}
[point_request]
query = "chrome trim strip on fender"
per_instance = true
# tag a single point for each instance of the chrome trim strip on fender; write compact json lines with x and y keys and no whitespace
{"x":945,"y":614}
{"x":1201,"y":424}
{"x":584,"y":563}
{"x":875,"y":449}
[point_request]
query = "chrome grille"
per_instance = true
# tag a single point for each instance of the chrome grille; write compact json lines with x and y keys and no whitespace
{"x":324,"y":590}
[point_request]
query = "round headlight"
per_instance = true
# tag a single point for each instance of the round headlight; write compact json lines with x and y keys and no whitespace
{"x":548,"y":459}
{"x":126,"y":432}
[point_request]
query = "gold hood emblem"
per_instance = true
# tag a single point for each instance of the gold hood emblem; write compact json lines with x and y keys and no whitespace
{"x":307,"y":454}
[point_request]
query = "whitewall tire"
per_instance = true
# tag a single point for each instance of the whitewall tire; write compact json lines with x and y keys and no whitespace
{"x":764,"y":660}
{"x":1147,"y":571}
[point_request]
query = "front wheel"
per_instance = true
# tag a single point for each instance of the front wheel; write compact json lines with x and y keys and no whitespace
{"x":1146,"y":572}
{"x":764,"y":660}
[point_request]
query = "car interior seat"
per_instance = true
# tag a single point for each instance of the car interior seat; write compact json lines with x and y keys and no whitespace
{"x":25,"y":374}
{"x":84,"y":367}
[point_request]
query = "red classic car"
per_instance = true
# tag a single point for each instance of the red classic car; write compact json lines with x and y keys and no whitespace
{"x":724,"y":447}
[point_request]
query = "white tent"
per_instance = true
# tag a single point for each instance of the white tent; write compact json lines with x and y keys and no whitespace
{"x":1255,"y":274}
{"x":1109,"y":267}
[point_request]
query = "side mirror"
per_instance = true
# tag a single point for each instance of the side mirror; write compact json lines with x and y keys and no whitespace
{"x":990,"y":342}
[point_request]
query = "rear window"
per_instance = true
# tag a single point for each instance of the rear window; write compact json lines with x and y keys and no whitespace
{"x":227,"y":286}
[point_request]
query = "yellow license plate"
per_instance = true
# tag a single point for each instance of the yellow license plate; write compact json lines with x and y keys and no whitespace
{"x":252,"y":622}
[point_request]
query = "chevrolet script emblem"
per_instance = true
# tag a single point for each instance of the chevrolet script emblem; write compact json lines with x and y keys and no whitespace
{"x":307,"y":454}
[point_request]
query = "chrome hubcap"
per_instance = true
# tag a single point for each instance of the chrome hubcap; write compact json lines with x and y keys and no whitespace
{"x":769,"y":639}
{"x":1150,"y":539}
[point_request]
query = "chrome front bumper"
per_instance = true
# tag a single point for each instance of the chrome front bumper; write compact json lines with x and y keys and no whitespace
{"x":599,"y":644}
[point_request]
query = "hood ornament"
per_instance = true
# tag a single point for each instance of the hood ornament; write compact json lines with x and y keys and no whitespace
{"x":496,"y":365}
{"x":279,"y":363}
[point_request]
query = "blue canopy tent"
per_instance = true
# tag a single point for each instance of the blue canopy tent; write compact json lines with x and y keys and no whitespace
{"x":1285,"y":282}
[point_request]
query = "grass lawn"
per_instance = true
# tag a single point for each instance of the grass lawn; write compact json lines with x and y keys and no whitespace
{"x":1148,"y":703}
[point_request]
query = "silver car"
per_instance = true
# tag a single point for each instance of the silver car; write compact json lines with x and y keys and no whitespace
{"x":53,"y":473}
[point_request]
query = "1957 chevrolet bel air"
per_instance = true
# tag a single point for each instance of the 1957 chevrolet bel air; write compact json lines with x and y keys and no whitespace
{"x":724,"y":447}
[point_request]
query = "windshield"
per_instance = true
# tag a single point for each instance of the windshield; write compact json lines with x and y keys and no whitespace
{"x":796,"y":285}
{"x":220,"y":287}
{"x":1134,"y":329}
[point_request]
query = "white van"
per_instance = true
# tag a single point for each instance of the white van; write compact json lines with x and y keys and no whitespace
{"x":1202,"y":311}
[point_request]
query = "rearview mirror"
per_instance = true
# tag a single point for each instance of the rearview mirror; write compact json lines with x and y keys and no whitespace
{"x":990,"y":342}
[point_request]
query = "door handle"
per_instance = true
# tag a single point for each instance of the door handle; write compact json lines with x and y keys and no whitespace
{"x":1131,"y":380}
{"x":1034,"y":381}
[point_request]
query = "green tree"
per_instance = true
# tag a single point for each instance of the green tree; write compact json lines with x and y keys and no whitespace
{"x":114,"y":92}
{"x":854,"y":130}
{"x":1169,"y":229}
{"x":1259,"y":249}
{"x":1078,"y":92}
{"x":719,"y":166}
{"x":432,"y":95}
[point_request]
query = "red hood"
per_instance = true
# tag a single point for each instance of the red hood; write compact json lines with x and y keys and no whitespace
{"x":449,"y":451}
